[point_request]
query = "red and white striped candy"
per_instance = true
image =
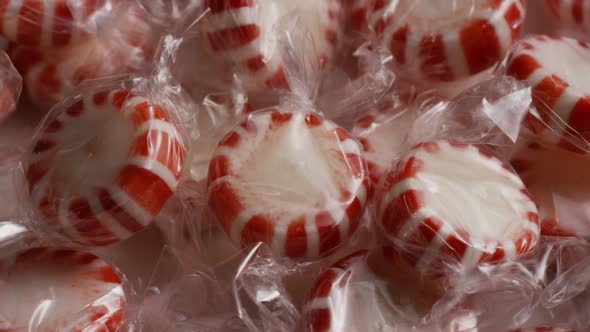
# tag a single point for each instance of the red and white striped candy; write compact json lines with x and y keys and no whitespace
{"x":50,"y":290}
{"x":47,"y":22}
{"x":434,"y":41}
{"x":325,"y":307}
{"x":543,"y":329}
{"x":557,"y":69}
{"x":50,"y":74}
{"x":104,"y":167}
{"x":243,"y":32}
{"x":382,"y":134}
{"x":293,"y":180}
{"x":571,"y":13}
{"x":449,"y":201}
{"x":359,"y":293}
{"x":551,"y":174}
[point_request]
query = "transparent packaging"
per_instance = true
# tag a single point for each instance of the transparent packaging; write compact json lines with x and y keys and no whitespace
{"x":368,"y":188}
{"x":242,"y":40}
{"x":51,"y":72}
{"x":51,"y":23}
{"x":10,"y":86}
{"x":436,"y":42}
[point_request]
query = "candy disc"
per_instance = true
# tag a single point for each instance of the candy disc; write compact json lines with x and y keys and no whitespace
{"x":47,"y":23}
{"x":245,"y":33}
{"x":371,"y":292}
{"x":558,"y":179}
{"x":452,"y":201}
{"x":557,"y":69}
{"x":103,"y":168}
{"x":447,"y":40}
{"x":291,"y":179}
{"x":50,"y":290}
{"x":325,"y":308}
{"x":50,"y":74}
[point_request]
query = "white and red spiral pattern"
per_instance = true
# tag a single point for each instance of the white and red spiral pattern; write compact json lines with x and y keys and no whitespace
{"x":427,"y":239}
{"x":310,"y":230}
{"x":236,"y":32}
{"x":49,"y":74}
{"x":46,"y":22}
{"x":318,"y":313}
{"x":466,"y":46}
{"x":555,"y":87}
{"x":144,"y":182}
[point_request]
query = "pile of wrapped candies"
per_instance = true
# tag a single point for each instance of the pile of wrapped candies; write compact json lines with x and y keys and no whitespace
{"x":308,"y":165}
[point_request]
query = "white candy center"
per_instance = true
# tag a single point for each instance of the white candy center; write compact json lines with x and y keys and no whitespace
{"x":292,"y":165}
{"x":473,"y":193}
{"x":94,"y":148}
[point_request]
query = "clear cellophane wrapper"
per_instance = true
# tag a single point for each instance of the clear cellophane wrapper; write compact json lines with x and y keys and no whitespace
{"x":56,"y":45}
{"x":214,"y":197}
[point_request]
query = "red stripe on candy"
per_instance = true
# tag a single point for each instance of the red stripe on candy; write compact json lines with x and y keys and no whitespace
{"x":578,"y":11}
{"x":324,"y":284}
{"x":398,"y":45}
{"x":117,"y":212}
{"x":513,"y":17}
{"x":258,"y":229}
{"x":36,"y":172}
{"x":159,"y":145}
{"x":329,"y":233}
{"x":62,"y":24}
{"x":29,"y":23}
{"x":580,"y":117}
{"x":107,"y":274}
{"x":226,"y":204}
{"x":296,"y":245}
{"x":320,"y":320}
{"x":235,"y":37}
{"x":218,"y":6}
{"x":523,"y":66}
{"x":145,"y":112}
{"x":481,"y":45}
{"x":85,"y":222}
{"x":137,"y":181}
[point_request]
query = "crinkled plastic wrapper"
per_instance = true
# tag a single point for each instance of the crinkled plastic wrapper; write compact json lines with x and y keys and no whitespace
{"x":270,"y":165}
{"x":445,"y":41}
{"x":56,"y":45}
{"x":102,"y":166}
{"x":10,"y":86}
{"x":103,"y":163}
